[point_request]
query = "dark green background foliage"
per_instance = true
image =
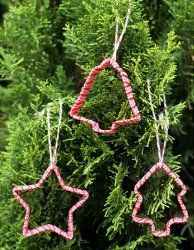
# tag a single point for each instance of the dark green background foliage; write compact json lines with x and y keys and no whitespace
{"x":47,"y":48}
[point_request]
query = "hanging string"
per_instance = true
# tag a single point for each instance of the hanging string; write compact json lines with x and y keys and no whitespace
{"x":166,"y":124}
{"x":119,"y":40}
{"x":53,"y":153}
{"x":116,"y":32}
{"x":58,"y":129}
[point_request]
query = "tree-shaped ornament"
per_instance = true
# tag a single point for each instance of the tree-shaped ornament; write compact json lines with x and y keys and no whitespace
{"x":109,"y":62}
{"x":159,"y":166}
{"x":51,"y":169}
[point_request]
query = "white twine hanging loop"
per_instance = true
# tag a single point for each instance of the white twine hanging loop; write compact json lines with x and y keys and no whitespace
{"x":161,"y":153}
{"x":53,"y":153}
{"x":118,"y":40}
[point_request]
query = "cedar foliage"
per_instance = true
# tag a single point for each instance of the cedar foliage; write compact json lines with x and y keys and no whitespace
{"x":47,"y":48}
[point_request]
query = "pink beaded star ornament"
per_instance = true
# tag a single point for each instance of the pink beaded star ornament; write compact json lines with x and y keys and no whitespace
{"x":159,"y":166}
{"x":51,"y":169}
{"x":109,"y":62}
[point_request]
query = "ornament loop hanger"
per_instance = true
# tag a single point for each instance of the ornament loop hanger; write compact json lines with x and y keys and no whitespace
{"x":119,"y":39}
{"x":161,"y":153}
{"x":53,"y":153}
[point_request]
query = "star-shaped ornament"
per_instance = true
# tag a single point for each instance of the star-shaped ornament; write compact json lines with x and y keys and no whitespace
{"x":86,"y":89}
{"x":138,"y":205}
{"x":49,"y":227}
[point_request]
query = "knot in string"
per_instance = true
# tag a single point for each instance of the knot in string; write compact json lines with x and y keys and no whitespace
{"x":161,"y":153}
{"x":53,"y":153}
{"x":118,"y":40}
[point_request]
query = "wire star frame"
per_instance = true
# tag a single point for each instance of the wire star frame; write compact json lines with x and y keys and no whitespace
{"x":51,"y":169}
{"x":49,"y":227}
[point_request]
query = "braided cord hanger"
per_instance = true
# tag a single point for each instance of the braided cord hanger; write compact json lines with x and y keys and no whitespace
{"x":53,"y":153}
{"x":119,"y":39}
{"x":161,"y":153}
